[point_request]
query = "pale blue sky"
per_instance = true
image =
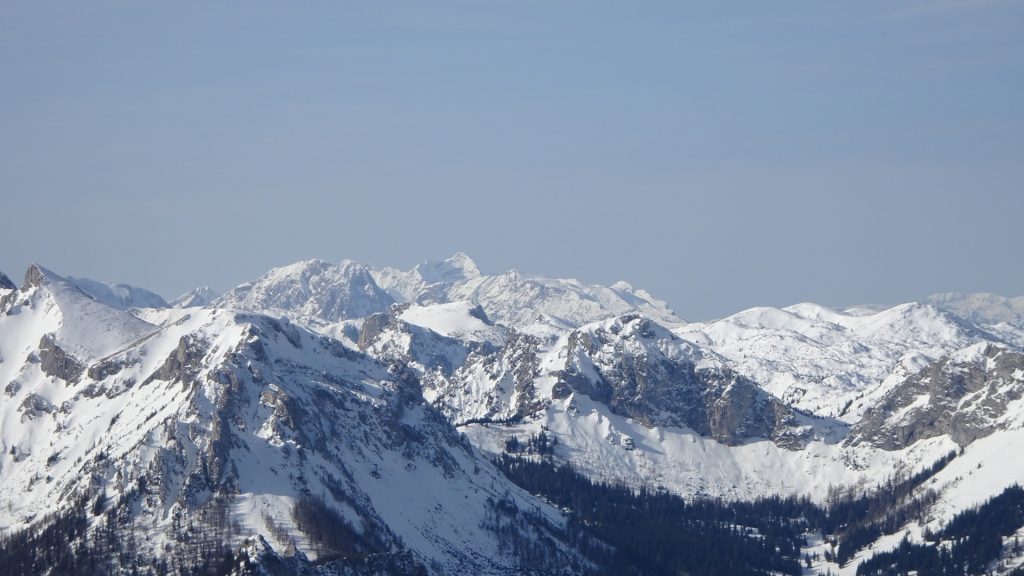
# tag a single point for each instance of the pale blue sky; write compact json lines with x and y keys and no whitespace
{"x":721,"y":155}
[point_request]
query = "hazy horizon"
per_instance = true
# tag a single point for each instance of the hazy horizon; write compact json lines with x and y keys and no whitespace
{"x":840,"y":153}
{"x":484,"y":270}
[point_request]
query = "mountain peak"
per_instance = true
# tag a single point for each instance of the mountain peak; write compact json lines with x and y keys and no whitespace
{"x":5,"y":282}
{"x":76,"y":321}
{"x":35,"y":277}
{"x":315,"y":288}
{"x":456,"y":268}
{"x":197,"y":297}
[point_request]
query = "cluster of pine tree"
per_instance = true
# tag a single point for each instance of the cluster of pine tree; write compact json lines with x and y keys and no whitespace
{"x":541,"y":444}
{"x":67,"y":544}
{"x":855,"y":520}
{"x":971,"y":541}
{"x":654,"y":532}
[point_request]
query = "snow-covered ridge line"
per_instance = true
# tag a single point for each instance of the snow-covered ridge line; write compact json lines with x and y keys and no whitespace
{"x":240,"y":413}
{"x":345,"y":381}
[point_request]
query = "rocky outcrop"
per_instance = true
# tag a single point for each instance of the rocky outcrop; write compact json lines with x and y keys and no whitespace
{"x":642,"y":371}
{"x":34,"y":277}
{"x":373,"y":326}
{"x":57,"y":362}
{"x":5,"y":283}
{"x":964,"y":395}
{"x":386,"y":336}
{"x":493,"y":386}
{"x":183,"y":364}
{"x":34,"y":406}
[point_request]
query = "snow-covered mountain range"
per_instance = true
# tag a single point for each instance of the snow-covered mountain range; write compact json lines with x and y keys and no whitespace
{"x":379,"y":395}
{"x":230,"y":421}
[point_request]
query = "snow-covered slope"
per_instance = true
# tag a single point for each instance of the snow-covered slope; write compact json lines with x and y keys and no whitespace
{"x":318,"y":295}
{"x":982,"y":308}
{"x":429,"y":339}
{"x":461,"y":320}
{"x":996,"y":314}
{"x":516,"y":299}
{"x":195,"y":298}
{"x":966,"y":395}
{"x":822,"y":360}
{"x":406,"y":286}
{"x":513,"y":298}
{"x":341,"y":387}
{"x":120,"y":296}
{"x":226,"y":414}
{"x":313,"y":288}
{"x":79,"y":329}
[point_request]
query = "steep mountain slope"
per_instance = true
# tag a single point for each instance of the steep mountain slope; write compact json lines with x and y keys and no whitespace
{"x":228,"y":425}
{"x":967,"y":395}
{"x":5,"y":284}
{"x":822,"y":360}
{"x":120,"y":296}
{"x":642,"y":371}
{"x":432,"y":340}
{"x":313,"y":288}
{"x":324,"y":399}
{"x":628,"y":401}
{"x":75,"y":327}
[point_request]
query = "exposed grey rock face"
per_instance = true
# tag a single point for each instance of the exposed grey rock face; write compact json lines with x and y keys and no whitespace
{"x":34,"y":406}
{"x":7,"y":301}
{"x":34,"y":277}
{"x":519,"y":363}
{"x":642,"y":371}
{"x":373,"y":326}
{"x":57,"y":362}
{"x":5,"y":282}
{"x":965,"y":395}
{"x":509,"y":373}
{"x":385,"y":336}
{"x":241,"y":417}
{"x":183,"y":364}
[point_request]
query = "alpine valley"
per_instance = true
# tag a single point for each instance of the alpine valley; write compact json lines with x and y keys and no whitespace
{"x":345,"y":419}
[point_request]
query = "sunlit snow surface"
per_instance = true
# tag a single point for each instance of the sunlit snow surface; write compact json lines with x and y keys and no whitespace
{"x":471,"y":338}
{"x":270,"y":409}
{"x":826,"y":361}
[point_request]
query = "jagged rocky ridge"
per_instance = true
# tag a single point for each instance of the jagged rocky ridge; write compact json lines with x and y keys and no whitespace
{"x":967,"y":395}
{"x":229,"y":425}
{"x":640,"y":370}
{"x":768,"y":401}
